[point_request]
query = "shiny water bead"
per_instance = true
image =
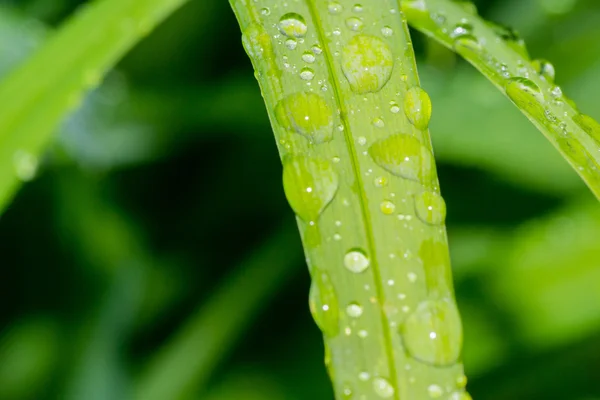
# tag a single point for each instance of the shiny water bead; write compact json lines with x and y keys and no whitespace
{"x":354,"y":310}
{"x":307,"y":74}
{"x":387,"y":31}
{"x":433,"y":333}
{"x":522,"y":90}
{"x":545,"y":69}
{"x":354,"y":24}
{"x":334,"y":7}
{"x":435,"y":391}
{"x":383,"y":388}
{"x":307,"y":114}
{"x":404,"y":156}
{"x":387,"y":207}
{"x":309,"y":185}
{"x":324,"y":303}
{"x":293,"y":25}
{"x":461,"y":29}
{"x":417,"y":107}
{"x":460,"y":396}
{"x":356,"y":261}
{"x":430,"y":208}
{"x":367,"y":63}
{"x":308,"y":57}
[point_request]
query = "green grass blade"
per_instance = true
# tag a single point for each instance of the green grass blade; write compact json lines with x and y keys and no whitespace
{"x":51,"y":83}
{"x":185,"y":362}
{"x":499,"y":54}
{"x":350,"y":120}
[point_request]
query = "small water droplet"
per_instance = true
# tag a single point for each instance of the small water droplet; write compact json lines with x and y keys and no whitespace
{"x":307,"y":114}
{"x":362,"y":140}
{"x":522,"y":91}
{"x":354,"y":310}
{"x":380,"y":181}
{"x":291,"y":44}
{"x":461,"y":381}
{"x":461,"y":29}
{"x":357,"y":8}
{"x":460,"y":396}
{"x":25,"y":164}
{"x":308,"y":57}
{"x":309,"y":185}
{"x":362,"y":334}
{"x":417,"y":107}
{"x":545,"y":69}
{"x":317,"y":49}
{"x":430,"y":208}
{"x":293,"y":25}
{"x":324,"y":303}
{"x":383,"y":388}
{"x":394,"y":107}
{"x":265,"y":11}
{"x":387,"y":207}
{"x":354,"y":24}
{"x":433,"y":333}
{"x":387,"y":31}
{"x":364,"y":376}
{"x":337,"y":32}
{"x":356,"y":261}
{"x":435,"y":391}
{"x":378,"y":123}
{"x":403,"y":156}
{"x":367,"y":63}
{"x":307,"y":74}
{"x":334,"y":7}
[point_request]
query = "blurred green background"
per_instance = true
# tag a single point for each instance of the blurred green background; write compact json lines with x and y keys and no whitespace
{"x":153,"y":256}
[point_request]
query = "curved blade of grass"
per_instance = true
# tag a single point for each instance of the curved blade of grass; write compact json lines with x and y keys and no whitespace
{"x":186,"y":362}
{"x":499,"y":54}
{"x":41,"y":92}
{"x":341,"y":87}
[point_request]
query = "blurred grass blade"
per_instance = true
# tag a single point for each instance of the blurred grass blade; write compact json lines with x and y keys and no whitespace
{"x":500,"y":54}
{"x":350,"y":120}
{"x":36,"y":96}
{"x":186,"y":362}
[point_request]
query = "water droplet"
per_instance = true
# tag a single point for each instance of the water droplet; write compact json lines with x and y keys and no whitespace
{"x":358,"y":8}
{"x":394,"y":107}
{"x":433,"y":333}
{"x":362,"y":140}
{"x":460,"y":396}
{"x":461,"y":381}
{"x":354,"y":24}
{"x":308,"y":57}
{"x":362,"y":334}
{"x":387,"y":31}
{"x":417,"y":107}
{"x":430,"y":208}
{"x":265,"y":11}
{"x":307,"y":114}
{"x":324,"y":303}
{"x":589,"y":125}
{"x":291,"y":44}
{"x":356,"y":261}
{"x":293,"y":25}
{"x":354,"y":310}
{"x":364,"y":376}
{"x":378,"y":123}
{"x":309,"y":185}
{"x":522,"y":91}
{"x":435,"y":391}
{"x":380,"y":181}
{"x":461,"y":29}
{"x":25,"y":164}
{"x":307,"y":74}
{"x":317,"y":49}
{"x":545,"y":69}
{"x":387,"y":207}
{"x":334,"y":8}
{"x":466,"y":45}
{"x":337,"y":32}
{"x":403,"y":156}
{"x":347,"y":392}
{"x":367,"y":63}
{"x":383,"y":388}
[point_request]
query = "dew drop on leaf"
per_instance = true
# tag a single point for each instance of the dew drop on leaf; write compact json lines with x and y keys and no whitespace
{"x":324,"y":303}
{"x":356,"y":261}
{"x":460,"y":396}
{"x":387,"y":207}
{"x":433,"y":333}
{"x":367,"y":63}
{"x":354,"y":24}
{"x":523,"y":91}
{"x":430,"y":208}
{"x":354,"y":310}
{"x":545,"y":69}
{"x":383,"y":388}
{"x":417,"y":107}
{"x":307,"y":114}
{"x":307,"y":74}
{"x":309,"y":185}
{"x":293,"y":25}
{"x":334,"y":7}
{"x":404,"y":156}
{"x":435,"y":391}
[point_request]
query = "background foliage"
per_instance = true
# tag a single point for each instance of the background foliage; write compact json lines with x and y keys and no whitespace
{"x":154,"y":254}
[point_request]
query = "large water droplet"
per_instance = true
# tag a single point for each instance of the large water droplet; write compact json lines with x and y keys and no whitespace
{"x":256,"y":41}
{"x":430,"y":208}
{"x":404,"y":156}
{"x":309,"y":184}
{"x":293,"y":25}
{"x":324,"y":303}
{"x":307,"y":74}
{"x":589,"y":125}
{"x":354,"y":310}
{"x":354,"y":24}
{"x":417,"y":106}
{"x":307,"y":114}
{"x":383,"y":388}
{"x":545,"y":69}
{"x":367,"y":63}
{"x":433,"y":333}
{"x":523,"y":91}
{"x":356,"y":261}
{"x":308,"y":57}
